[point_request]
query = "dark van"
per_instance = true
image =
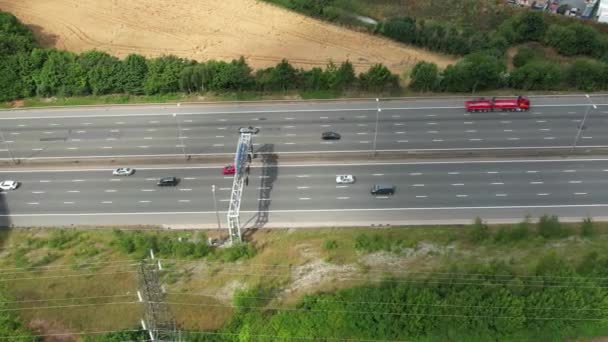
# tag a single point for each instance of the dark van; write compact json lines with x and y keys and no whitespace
{"x":168,"y":181}
{"x":383,"y":189}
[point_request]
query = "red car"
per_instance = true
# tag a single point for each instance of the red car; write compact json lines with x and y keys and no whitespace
{"x":228,"y":170}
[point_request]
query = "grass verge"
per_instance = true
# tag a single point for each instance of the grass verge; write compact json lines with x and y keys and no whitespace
{"x":93,"y":271}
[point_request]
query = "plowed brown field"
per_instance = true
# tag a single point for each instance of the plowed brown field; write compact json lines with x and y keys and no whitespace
{"x":208,"y":29}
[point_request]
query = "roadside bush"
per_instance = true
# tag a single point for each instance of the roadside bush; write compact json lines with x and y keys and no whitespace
{"x":479,"y":231}
{"x":588,"y":75}
{"x":537,"y":75}
{"x":239,"y":251}
{"x":329,"y":245}
{"x":370,"y":244}
{"x":378,"y":78}
{"x":550,"y":227}
{"x":587,"y":228}
{"x":518,"y":233}
{"x":524,"y":55}
{"x":251,"y":299}
{"x":475,"y":72}
{"x":61,"y":238}
{"x":424,"y":77}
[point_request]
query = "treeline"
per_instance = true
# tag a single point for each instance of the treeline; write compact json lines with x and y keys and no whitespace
{"x":480,"y":71}
{"x":569,"y":40}
{"x":31,"y":71}
{"x":487,"y":69}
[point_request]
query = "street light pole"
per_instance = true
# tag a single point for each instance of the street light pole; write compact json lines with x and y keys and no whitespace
{"x":179,"y":134}
{"x":8,"y":148}
{"x":376,"y":129}
{"x":582,"y":124}
{"x":217,"y":214}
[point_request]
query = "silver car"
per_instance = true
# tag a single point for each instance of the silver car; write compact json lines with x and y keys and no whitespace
{"x":8,"y":185}
{"x":123,"y":171}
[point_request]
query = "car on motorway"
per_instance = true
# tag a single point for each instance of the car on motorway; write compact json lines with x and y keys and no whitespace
{"x":123,"y":171}
{"x":383,"y":189}
{"x":345,"y":179}
{"x":168,"y":181}
{"x":229,"y":170}
{"x":330,"y":136}
{"x":250,"y":129}
{"x":8,"y":185}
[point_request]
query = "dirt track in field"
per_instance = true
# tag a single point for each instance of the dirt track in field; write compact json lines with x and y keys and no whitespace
{"x":208,"y":29}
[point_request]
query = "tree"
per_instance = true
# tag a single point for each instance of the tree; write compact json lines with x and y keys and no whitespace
{"x":281,"y":77}
{"x":10,"y":82}
{"x":163,"y":75}
{"x":530,"y":26}
{"x":103,"y":72}
{"x":588,"y":75}
{"x":537,"y":75}
{"x":235,"y":75}
{"x":340,"y":78}
{"x":402,"y":29}
{"x":133,"y":75}
{"x":61,"y":75}
{"x":478,"y":71}
{"x":14,"y":36}
{"x":378,"y":78}
{"x":424,"y":76}
{"x":574,"y":39}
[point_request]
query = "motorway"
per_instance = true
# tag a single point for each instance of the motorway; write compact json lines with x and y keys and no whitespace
{"x":306,"y":195}
{"x":295,"y":127}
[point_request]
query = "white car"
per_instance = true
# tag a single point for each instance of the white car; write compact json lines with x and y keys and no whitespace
{"x":123,"y":171}
{"x":345,"y":179}
{"x":8,"y":185}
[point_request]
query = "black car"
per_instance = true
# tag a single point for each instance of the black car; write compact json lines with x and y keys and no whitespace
{"x":168,"y":181}
{"x":330,"y":136}
{"x":383,"y":189}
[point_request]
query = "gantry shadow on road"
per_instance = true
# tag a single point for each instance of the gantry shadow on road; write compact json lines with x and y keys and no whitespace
{"x":268,"y":177}
{"x":5,"y":220}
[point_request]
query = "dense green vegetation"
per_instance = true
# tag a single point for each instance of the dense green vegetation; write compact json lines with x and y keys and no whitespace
{"x":31,"y":71}
{"x":11,"y":327}
{"x":139,"y":244}
{"x":554,"y":298}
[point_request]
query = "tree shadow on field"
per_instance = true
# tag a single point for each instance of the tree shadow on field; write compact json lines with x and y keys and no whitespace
{"x":269,"y":175}
{"x":44,"y":38}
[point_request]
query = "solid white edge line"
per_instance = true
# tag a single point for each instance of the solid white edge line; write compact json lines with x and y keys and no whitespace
{"x":506,"y":161}
{"x":602,"y":205}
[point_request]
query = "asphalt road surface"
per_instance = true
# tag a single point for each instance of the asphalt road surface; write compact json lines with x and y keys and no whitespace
{"x":211,"y":129}
{"x":307,"y":195}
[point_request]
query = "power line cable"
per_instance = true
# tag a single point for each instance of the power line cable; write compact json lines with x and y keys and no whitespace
{"x":64,"y":276}
{"x":387,"y":313}
{"x":403,"y":304}
{"x":5,"y":337}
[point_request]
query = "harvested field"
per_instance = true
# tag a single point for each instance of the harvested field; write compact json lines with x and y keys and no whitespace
{"x":210,"y":29}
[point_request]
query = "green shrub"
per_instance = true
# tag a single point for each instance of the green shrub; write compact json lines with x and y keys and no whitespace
{"x":235,"y":252}
{"x":371,"y":244}
{"x":61,"y":238}
{"x":550,"y":227}
{"x":329,"y":245}
{"x":250,"y":299}
{"x":518,"y":233}
{"x":479,"y":231}
{"x":587,"y":228}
